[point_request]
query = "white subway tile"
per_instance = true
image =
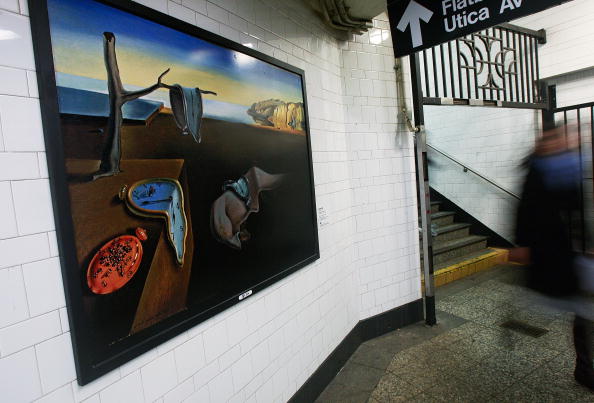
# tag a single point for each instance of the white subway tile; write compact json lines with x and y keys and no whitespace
{"x":7,"y":213}
{"x":43,"y":173}
{"x":217,"y":13}
{"x":245,"y":9}
{"x":17,"y":42}
{"x":242,"y":372}
{"x":13,"y":298}
{"x":18,"y":166}
{"x":43,"y":281}
{"x":238,"y":23}
{"x":53,"y":243}
{"x":221,"y":387}
{"x":23,"y":249}
{"x":196,"y":5}
{"x":61,"y":395}
{"x":237,"y":327}
{"x":260,"y":357}
{"x":229,"y":357}
{"x":33,"y":205}
{"x":180,"y":393}
{"x":206,"y":374}
{"x":202,"y":395}
{"x":64,"y":320}
{"x":92,"y":399}
{"x":182,"y":13}
{"x":20,"y":377}
{"x":216,"y":341}
{"x":229,"y":33}
{"x":159,"y":377}
{"x":13,"y":81}
{"x":90,"y":389}
{"x":126,"y":390}
{"x":21,"y":122}
{"x":189,"y":357}
{"x":32,"y":84}
{"x":56,"y":362}
{"x":10,"y":5}
{"x":159,"y":5}
{"x":29,"y":332}
{"x":207,"y":23}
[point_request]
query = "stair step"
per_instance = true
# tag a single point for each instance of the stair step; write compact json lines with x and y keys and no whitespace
{"x":444,"y":229}
{"x":450,"y":232}
{"x":468,"y":265}
{"x":442,"y":218}
{"x":458,"y":243}
{"x":457,"y":260}
{"x":435,"y":206}
{"x":457,"y":248}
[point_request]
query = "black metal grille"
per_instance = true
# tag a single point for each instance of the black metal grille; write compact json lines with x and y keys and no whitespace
{"x":581,"y":117}
{"x":497,"y":66}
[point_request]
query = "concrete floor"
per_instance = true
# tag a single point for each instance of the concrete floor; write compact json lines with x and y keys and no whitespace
{"x":468,"y":356}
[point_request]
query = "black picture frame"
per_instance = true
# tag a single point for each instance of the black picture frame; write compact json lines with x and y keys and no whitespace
{"x":86,"y":368}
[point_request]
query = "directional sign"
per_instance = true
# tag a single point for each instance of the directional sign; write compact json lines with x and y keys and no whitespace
{"x":420,"y":24}
{"x":412,"y":17}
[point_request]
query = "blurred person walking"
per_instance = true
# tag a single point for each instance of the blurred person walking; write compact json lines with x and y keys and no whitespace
{"x":550,"y":197}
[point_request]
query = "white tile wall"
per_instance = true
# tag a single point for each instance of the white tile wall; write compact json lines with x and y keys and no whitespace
{"x":265,"y":348}
{"x":569,"y":28}
{"x":493,"y":142}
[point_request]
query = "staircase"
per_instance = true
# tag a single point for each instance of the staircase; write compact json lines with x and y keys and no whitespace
{"x":457,"y":252}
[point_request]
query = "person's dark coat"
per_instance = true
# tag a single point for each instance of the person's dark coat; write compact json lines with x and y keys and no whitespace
{"x":550,"y":197}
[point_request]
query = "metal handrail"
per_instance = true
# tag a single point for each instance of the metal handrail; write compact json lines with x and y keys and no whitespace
{"x":573,"y":107}
{"x":466,"y":168}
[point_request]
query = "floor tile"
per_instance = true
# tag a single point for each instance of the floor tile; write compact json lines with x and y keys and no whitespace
{"x":359,"y":377}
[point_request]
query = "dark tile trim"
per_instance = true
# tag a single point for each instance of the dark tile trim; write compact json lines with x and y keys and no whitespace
{"x":364,"y":330}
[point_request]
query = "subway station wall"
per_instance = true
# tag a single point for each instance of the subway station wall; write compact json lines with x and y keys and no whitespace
{"x":265,"y":348}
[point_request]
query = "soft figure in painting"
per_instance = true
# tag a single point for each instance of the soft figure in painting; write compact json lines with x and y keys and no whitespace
{"x":186,"y":105}
{"x":239,"y":199}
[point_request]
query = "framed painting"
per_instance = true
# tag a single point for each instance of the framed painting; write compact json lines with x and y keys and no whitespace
{"x":181,"y":172}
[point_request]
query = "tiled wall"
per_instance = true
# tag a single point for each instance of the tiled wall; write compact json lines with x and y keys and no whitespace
{"x":491,"y":141}
{"x":569,"y":31}
{"x":263,"y":349}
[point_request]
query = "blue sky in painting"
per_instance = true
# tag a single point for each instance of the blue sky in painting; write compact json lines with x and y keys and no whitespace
{"x":84,"y":21}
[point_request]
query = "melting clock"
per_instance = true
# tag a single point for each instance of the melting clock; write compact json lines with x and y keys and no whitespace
{"x":164,"y":198}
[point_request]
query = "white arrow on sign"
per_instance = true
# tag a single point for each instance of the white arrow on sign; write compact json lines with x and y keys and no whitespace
{"x":412,"y":16}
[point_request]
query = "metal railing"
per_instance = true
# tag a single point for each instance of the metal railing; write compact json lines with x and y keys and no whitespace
{"x":498,"y":66}
{"x":467,"y":168}
{"x":582,"y":118}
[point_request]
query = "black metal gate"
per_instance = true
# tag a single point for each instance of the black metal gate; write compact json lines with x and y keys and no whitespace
{"x":498,"y":66}
{"x":579,"y":119}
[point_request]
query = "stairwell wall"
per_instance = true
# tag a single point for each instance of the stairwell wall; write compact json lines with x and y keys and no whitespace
{"x":491,"y":141}
{"x":265,"y":348}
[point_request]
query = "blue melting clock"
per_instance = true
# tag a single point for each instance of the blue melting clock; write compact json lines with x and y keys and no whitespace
{"x":160,"y":197}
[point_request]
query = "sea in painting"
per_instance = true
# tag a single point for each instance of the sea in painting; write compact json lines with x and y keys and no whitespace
{"x":256,"y":119}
